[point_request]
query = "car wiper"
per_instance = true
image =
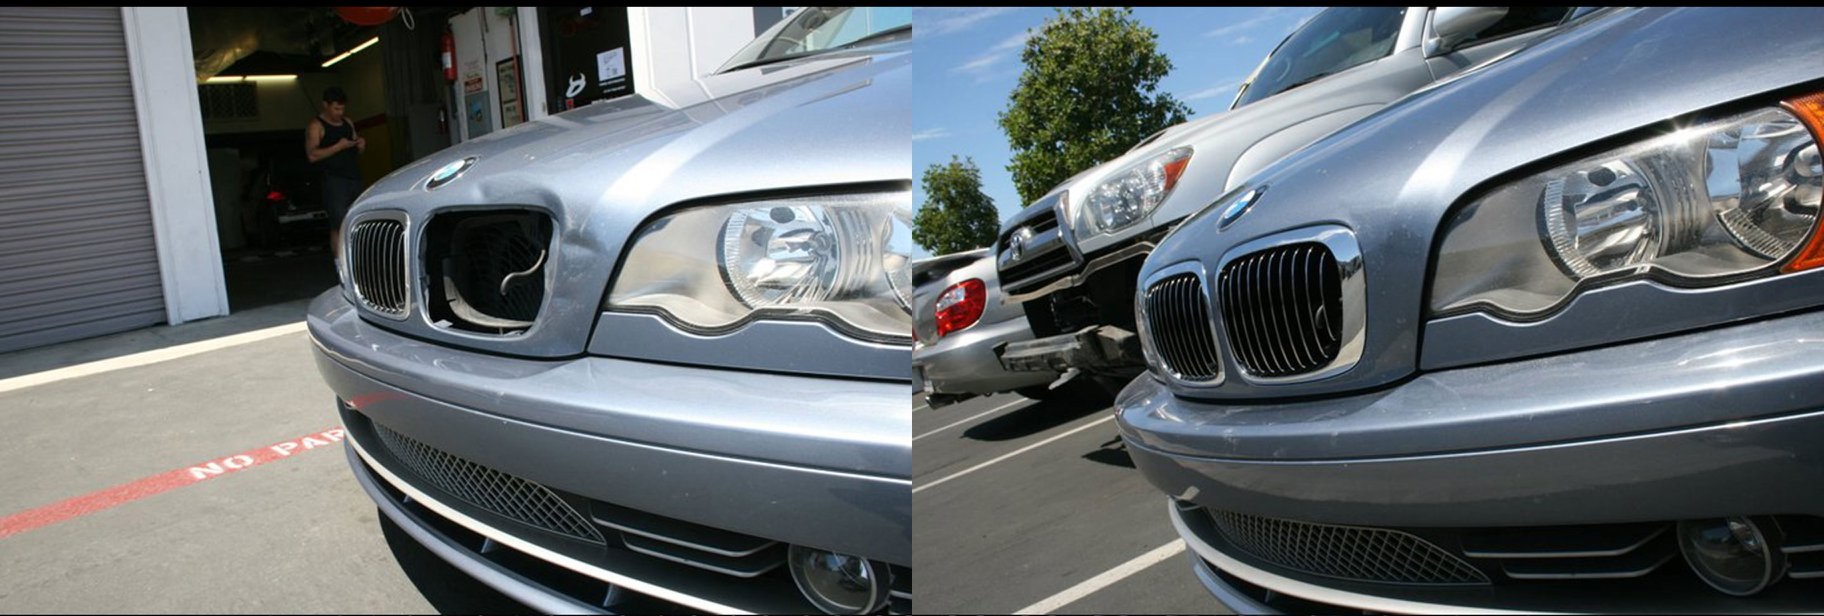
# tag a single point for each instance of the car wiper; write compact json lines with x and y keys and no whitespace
{"x":887,"y":33}
{"x":1307,"y":81}
{"x":803,"y":54}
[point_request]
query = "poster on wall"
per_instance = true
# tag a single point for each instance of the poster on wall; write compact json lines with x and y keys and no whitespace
{"x":511,"y":112}
{"x":477,"y":113}
{"x":587,"y":55}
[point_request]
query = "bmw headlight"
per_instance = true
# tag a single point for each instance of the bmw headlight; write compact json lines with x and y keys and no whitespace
{"x":1708,"y":204}
{"x":842,"y":259}
{"x":1131,"y":194}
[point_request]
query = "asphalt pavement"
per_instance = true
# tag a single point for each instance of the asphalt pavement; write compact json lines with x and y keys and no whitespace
{"x":206,"y":479}
{"x":1035,"y":506}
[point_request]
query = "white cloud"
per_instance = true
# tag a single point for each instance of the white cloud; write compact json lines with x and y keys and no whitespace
{"x":930,"y":133}
{"x":1226,"y":88}
{"x":1237,"y":32}
{"x":983,"y":65}
{"x":944,"y":20}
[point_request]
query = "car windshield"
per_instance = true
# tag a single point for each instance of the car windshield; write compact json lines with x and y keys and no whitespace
{"x":816,"y":30}
{"x":1333,"y":41}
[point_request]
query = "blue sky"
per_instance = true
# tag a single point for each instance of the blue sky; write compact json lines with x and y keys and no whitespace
{"x":968,"y":60}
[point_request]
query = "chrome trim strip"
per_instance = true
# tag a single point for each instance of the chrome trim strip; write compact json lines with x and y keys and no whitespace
{"x":1571,"y":554}
{"x":1305,"y":590}
{"x":704,"y":566}
{"x":679,"y":542}
{"x":1094,"y":265}
{"x":522,"y":545}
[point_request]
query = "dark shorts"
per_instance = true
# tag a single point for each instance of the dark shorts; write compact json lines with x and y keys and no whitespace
{"x":339,"y":193}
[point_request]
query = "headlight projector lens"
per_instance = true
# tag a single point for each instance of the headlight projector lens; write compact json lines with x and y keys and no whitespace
{"x":839,"y":583}
{"x":1737,"y":556}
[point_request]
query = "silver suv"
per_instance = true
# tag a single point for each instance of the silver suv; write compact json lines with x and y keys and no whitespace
{"x":640,"y":358}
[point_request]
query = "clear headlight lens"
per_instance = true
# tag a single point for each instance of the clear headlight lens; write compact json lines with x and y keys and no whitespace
{"x":843,"y":259}
{"x":1129,"y":195}
{"x":1704,"y":205}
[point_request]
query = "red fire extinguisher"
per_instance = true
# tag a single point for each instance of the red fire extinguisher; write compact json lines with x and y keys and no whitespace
{"x":449,"y":56}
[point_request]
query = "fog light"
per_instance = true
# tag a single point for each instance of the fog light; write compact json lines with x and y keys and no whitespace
{"x":1738,"y":556}
{"x":839,"y":583}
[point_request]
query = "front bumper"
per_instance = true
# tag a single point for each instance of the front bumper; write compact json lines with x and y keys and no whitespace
{"x":1725,"y":422}
{"x":822,"y":463}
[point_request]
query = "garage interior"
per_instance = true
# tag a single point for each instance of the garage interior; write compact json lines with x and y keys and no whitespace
{"x":261,"y":73}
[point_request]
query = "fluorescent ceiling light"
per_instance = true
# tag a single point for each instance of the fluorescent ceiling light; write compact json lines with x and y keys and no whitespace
{"x":241,"y":78}
{"x":346,"y":54}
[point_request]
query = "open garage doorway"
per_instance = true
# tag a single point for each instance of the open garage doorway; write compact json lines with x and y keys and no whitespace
{"x":261,"y":74}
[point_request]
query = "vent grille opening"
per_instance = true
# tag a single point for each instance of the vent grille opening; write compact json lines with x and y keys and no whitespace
{"x":1346,"y":552}
{"x":487,"y":269}
{"x":505,"y":495}
{"x":1283,"y":309}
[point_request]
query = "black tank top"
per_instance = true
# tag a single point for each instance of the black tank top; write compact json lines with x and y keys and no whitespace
{"x":346,"y":163}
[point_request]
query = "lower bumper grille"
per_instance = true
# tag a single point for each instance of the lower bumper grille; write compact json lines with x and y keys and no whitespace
{"x":497,"y":492}
{"x":1346,"y":552}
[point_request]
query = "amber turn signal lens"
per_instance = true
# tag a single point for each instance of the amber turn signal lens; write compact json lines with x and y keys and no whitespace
{"x":1810,"y":110}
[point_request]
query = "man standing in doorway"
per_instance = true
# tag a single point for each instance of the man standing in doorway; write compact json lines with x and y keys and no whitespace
{"x":334,"y":149}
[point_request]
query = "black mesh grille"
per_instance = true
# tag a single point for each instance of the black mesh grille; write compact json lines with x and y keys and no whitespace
{"x":1346,"y":552}
{"x":1178,"y":319}
{"x":1283,"y":309}
{"x":489,"y":489}
{"x":376,"y":258}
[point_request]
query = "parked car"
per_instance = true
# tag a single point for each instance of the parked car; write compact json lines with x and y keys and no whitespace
{"x":959,"y":321}
{"x":1541,"y":338}
{"x":1072,"y":256}
{"x":639,"y":358}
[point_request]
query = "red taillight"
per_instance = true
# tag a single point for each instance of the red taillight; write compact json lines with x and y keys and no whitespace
{"x":960,"y":306}
{"x":275,"y":196}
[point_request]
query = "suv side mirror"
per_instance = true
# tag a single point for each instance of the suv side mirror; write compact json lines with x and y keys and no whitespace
{"x":1451,"y":25}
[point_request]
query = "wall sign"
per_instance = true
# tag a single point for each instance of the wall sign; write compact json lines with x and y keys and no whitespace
{"x":587,"y":57}
{"x":511,"y":112}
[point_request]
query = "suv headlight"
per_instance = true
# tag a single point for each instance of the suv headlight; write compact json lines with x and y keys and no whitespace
{"x":842,"y":259}
{"x":1705,"y":205}
{"x":1129,"y":195}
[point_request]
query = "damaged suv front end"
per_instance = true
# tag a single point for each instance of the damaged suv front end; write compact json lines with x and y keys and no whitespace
{"x":641,"y":358}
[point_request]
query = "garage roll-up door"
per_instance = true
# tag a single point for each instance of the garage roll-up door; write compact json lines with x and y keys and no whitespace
{"x":77,"y":257}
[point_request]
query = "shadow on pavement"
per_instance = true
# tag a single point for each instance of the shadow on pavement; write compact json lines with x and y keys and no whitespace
{"x":30,"y":361}
{"x":1112,"y":453}
{"x":447,"y":588}
{"x":1032,"y":419}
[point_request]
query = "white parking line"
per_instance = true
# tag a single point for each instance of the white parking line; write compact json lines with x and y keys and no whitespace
{"x":979,"y":416}
{"x":920,"y":407}
{"x":146,"y":358}
{"x":1016,"y":452}
{"x":1104,"y":579}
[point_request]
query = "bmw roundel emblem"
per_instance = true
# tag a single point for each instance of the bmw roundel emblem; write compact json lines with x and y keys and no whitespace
{"x":1237,"y":208}
{"x":449,"y":172}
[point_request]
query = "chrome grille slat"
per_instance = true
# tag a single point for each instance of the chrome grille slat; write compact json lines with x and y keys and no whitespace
{"x":1282,"y":308}
{"x":1178,"y":321}
{"x":492,"y":490}
{"x":1346,"y":552}
{"x":377,"y":265}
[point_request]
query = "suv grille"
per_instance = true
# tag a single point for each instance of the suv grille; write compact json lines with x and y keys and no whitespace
{"x":1346,"y":552}
{"x":1283,"y":309}
{"x":377,"y":265}
{"x":1178,"y":320}
{"x":489,"y":489}
{"x":1041,"y":255}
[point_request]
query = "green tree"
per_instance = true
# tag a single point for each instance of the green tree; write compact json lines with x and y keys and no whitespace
{"x":956,"y":215}
{"x":1089,"y":92}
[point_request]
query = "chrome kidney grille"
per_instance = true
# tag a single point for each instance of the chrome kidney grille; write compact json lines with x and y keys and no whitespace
{"x":1283,"y":309}
{"x":377,"y":265}
{"x":1178,"y":319}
